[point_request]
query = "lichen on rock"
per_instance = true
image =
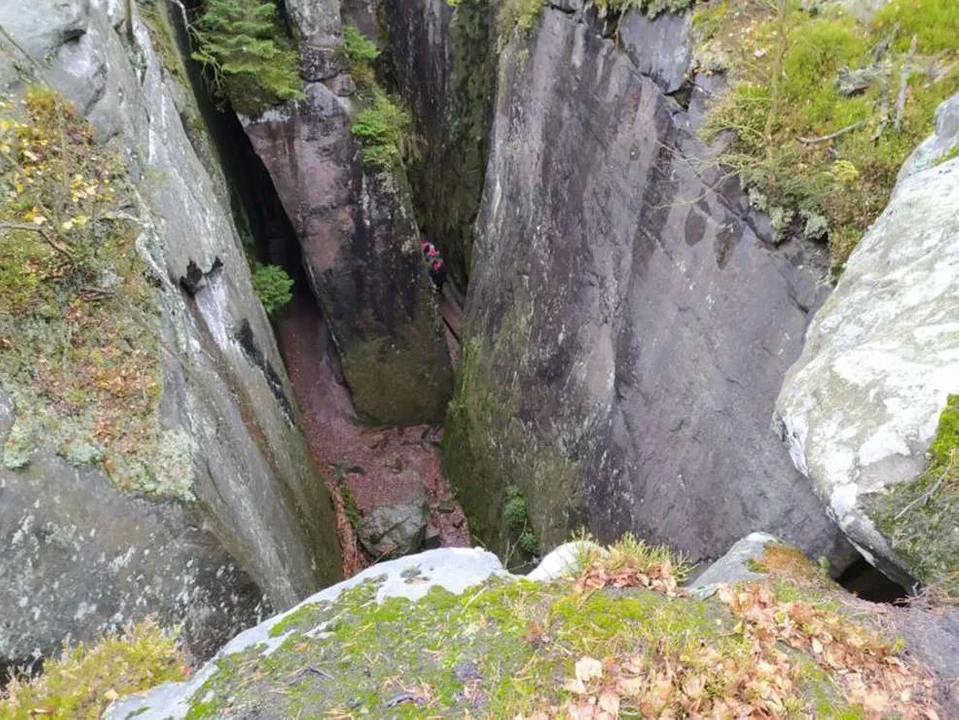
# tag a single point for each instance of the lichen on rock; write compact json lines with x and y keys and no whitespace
{"x":79,"y":344}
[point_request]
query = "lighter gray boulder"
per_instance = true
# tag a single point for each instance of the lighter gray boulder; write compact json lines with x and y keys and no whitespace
{"x":660,"y":47}
{"x":860,"y":407}
{"x":734,"y":566}
{"x":393,"y":530}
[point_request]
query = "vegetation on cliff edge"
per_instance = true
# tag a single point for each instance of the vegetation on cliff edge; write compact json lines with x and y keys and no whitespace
{"x":247,"y":51}
{"x":617,"y":638}
{"x":824,"y":106}
{"x":83,"y":680}
{"x":78,"y":346}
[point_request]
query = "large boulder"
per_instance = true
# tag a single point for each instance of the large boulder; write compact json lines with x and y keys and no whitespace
{"x":860,"y":408}
{"x":223,"y":518}
{"x":448,"y":633}
{"x":359,"y":239}
{"x":628,"y":326}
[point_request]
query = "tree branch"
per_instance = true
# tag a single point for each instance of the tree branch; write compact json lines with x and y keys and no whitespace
{"x":832,"y":136}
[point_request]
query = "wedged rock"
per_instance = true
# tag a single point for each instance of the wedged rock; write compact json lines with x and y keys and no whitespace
{"x":249,"y":529}
{"x":860,"y":407}
{"x":393,"y":530}
{"x":360,"y":246}
{"x":734,"y":566}
{"x":628,"y":324}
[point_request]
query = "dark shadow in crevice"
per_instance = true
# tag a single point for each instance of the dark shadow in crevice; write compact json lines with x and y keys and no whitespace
{"x":865,"y":581}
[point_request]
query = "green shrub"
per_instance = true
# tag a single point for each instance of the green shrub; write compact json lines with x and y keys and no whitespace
{"x":358,"y":46}
{"x":244,"y":44}
{"x":272,"y":285}
{"x":529,"y":543}
{"x":81,"y":683}
{"x":382,"y":129}
{"x":362,"y":53}
{"x":514,"y":509}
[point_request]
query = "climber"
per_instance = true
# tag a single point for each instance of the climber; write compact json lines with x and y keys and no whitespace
{"x":438,"y":274}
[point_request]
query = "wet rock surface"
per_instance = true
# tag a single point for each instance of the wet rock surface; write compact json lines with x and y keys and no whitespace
{"x":630,"y":326}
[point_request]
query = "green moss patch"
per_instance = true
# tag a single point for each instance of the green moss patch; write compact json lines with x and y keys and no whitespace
{"x":920,"y":519}
{"x":495,"y":464}
{"x":514,"y":648}
{"x":825,"y":106}
{"x":78,"y":341}
{"x":83,"y":680}
{"x":401,"y":380}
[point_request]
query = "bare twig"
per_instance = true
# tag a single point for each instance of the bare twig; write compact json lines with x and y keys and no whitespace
{"x":904,"y":83}
{"x":777,"y":80}
{"x":924,"y":498}
{"x":927,"y":496}
{"x":39,"y":229}
{"x":832,"y":136}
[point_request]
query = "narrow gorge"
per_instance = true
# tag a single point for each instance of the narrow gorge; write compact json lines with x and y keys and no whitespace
{"x":653,"y":301}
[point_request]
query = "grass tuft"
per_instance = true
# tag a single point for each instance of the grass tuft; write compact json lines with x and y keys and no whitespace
{"x":83,"y":680}
{"x":801,"y":144}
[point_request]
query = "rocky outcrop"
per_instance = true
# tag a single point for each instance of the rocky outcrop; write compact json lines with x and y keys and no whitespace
{"x":359,"y":238}
{"x":629,"y":326}
{"x":450,"y":633}
{"x":443,"y":58}
{"x":861,"y":406}
{"x":249,"y":529}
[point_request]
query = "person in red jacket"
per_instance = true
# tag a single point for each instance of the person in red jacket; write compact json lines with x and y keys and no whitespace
{"x":438,"y":273}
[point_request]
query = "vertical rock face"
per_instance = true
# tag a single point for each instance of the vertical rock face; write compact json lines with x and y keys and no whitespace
{"x":629,"y":326}
{"x":253,"y":529}
{"x":861,"y":406}
{"x":360,"y":242}
{"x":444,"y":64}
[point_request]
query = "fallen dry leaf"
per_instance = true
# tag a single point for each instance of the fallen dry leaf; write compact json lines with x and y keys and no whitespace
{"x":588,"y":668}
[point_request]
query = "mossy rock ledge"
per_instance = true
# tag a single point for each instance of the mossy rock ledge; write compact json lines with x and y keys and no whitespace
{"x":449,"y":633}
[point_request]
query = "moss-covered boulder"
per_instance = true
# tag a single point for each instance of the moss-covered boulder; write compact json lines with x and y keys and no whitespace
{"x":594,"y":632}
{"x":869,"y":410}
